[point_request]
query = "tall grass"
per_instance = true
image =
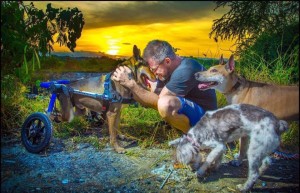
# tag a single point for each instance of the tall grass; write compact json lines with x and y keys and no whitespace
{"x":283,"y":70}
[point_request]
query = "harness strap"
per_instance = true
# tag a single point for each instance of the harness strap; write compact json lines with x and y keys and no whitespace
{"x":111,"y":94}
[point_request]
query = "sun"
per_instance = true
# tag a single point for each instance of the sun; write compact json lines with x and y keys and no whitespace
{"x":113,"y":47}
{"x":112,"y":52}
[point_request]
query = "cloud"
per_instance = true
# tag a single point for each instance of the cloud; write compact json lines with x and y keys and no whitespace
{"x":100,"y":14}
{"x":143,"y":13}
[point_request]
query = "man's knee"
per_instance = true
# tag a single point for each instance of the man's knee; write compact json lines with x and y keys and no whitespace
{"x":167,"y":106}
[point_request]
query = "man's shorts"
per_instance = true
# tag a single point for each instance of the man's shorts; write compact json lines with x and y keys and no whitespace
{"x":190,"y":109}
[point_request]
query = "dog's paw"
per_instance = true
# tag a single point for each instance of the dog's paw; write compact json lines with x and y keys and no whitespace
{"x":195,"y":167}
{"x":119,"y":149}
{"x":235,"y":163}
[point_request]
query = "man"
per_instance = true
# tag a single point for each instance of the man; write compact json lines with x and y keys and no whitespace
{"x":179,"y":102}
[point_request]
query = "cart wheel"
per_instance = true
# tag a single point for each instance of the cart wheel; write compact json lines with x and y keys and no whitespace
{"x":36,"y":132}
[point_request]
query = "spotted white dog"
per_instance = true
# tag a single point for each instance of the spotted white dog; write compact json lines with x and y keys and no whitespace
{"x":216,"y":128}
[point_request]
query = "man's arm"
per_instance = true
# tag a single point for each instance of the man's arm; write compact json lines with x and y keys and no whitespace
{"x":146,"y":98}
{"x":166,"y":92}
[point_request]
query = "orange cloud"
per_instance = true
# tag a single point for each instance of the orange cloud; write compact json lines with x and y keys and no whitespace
{"x":114,"y":27}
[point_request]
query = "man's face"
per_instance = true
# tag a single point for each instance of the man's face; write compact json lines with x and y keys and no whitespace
{"x":160,"y":70}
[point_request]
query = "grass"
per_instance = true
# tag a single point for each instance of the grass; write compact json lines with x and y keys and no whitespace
{"x":146,"y":126}
{"x":139,"y":123}
{"x":284,"y":70}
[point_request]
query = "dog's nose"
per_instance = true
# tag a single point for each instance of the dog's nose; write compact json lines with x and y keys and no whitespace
{"x":197,"y":75}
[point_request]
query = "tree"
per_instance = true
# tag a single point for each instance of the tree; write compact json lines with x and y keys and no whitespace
{"x":26,"y":31}
{"x":248,"y":20}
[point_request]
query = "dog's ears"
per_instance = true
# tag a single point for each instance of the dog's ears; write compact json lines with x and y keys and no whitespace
{"x":175,"y":142}
{"x":136,"y":53}
{"x":230,"y":64}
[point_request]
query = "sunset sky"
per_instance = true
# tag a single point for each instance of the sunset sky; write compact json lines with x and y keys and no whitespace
{"x":114,"y":27}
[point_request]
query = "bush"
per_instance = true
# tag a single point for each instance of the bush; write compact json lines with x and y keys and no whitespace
{"x":12,"y":98}
{"x":15,"y":107}
{"x":273,"y":58}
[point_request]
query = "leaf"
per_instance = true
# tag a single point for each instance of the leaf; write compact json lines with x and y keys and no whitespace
{"x":33,"y":62}
{"x":37,"y":59}
{"x":37,"y":83}
{"x":25,"y":61}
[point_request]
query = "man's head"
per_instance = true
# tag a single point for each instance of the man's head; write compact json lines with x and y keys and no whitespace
{"x":159,"y":55}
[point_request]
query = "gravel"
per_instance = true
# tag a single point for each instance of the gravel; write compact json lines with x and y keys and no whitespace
{"x":86,"y":169}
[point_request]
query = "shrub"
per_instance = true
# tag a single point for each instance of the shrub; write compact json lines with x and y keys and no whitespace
{"x":12,"y":98}
{"x":15,"y":107}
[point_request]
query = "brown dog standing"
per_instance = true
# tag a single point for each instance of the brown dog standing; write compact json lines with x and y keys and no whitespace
{"x":141,"y":74}
{"x":282,"y":101}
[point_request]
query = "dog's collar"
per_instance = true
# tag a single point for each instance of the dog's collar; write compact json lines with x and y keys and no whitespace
{"x":235,"y":87}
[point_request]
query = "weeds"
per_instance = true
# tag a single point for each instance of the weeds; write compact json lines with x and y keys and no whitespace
{"x":232,"y":150}
{"x":283,"y":70}
{"x":290,"y":138}
{"x":76,"y":127}
{"x":138,"y":123}
{"x":146,"y":126}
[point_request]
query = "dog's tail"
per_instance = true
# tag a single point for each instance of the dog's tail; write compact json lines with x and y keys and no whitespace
{"x":282,"y":126}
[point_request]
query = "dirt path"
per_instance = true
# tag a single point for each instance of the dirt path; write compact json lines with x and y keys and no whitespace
{"x":86,"y":169}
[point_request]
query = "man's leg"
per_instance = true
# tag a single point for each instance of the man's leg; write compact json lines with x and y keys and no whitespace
{"x":189,"y":112}
{"x":168,"y":107}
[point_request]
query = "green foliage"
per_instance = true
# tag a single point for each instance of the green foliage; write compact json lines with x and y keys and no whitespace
{"x":15,"y":107}
{"x":27,"y":31}
{"x":221,"y":100}
{"x":12,"y":98}
{"x":271,"y":45}
{"x":76,"y":127}
{"x":139,"y":116}
{"x":282,"y":70}
{"x":290,"y":138}
{"x":146,"y":126}
{"x":277,"y":55}
{"x":232,"y":150}
{"x":248,"y":20}
{"x":27,"y":68}
{"x":12,"y":35}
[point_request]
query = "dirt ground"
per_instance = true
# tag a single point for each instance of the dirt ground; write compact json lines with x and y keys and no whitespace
{"x":83,"y":168}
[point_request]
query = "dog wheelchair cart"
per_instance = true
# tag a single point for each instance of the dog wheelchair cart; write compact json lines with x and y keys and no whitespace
{"x":37,"y":129}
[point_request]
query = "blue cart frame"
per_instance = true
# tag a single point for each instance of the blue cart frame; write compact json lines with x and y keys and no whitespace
{"x":37,"y":129}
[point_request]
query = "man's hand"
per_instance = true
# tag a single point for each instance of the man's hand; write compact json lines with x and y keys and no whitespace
{"x":124,"y":76}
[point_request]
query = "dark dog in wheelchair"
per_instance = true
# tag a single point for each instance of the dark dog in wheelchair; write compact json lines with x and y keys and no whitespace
{"x":115,"y":94}
{"x":216,"y":128}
